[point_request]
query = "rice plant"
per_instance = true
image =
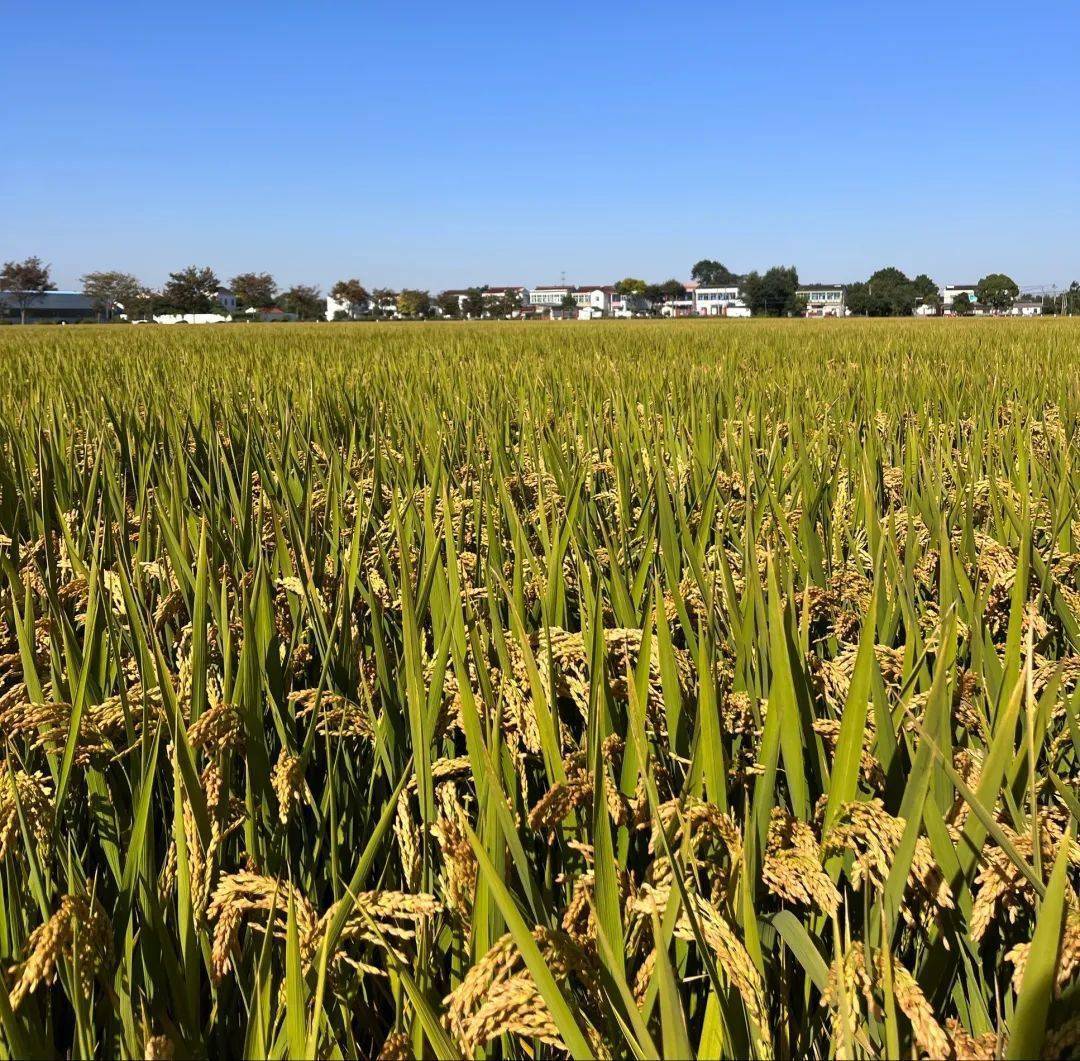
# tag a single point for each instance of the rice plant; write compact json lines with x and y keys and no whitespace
{"x":623,"y":690}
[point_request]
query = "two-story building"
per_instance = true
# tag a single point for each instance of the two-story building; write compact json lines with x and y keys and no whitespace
{"x":547,"y":296}
{"x":823,"y":300}
{"x":594,"y":297}
{"x":715,"y":301}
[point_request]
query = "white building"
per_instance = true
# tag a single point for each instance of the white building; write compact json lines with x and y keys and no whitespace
{"x":596,"y":297}
{"x":1026,"y":307}
{"x":823,"y":300}
{"x":952,"y":292}
{"x":715,"y":301}
{"x":226,"y":299}
{"x":548,"y":296}
{"x":191,"y":318}
{"x":352,"y":309}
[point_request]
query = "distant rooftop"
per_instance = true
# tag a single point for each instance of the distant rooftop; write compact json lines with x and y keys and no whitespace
{"x":52,"y":299}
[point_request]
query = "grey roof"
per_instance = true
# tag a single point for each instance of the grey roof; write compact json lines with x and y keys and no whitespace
{"x":55,"y":300}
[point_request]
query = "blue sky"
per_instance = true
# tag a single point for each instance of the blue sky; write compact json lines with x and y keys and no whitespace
{"x":442,"y":145}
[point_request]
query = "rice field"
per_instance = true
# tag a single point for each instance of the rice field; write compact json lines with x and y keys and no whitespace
{"x":607,"y":690}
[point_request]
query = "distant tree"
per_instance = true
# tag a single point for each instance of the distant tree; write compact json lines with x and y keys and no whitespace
{"x":633,"y":292}
{"x":448,"y":304}
{"x":858,"y":299}
{"x":412,"y":303}
{"x":711,"y":273}
{"x":383,"y":296}
{"x":926,"y":292}
{"x":305,"y":300}
{"x":654,"y":294}
{"x":191,"y":290}
{"x":22,"y":283}
{"x":568,"y":303}
{"x":962,"y":305}
{"x":925,"y":288}
{"x":673,"y":290}
{"x":110,"y":289}
{"x":997,"y":291}
{"x":254,"y":290}
{"x":474,"y":304}
{"x":143,"y":305}
{"x":896,"y":289}
{"x":508,"y":304}
{"x":772,"y":294}
{"x":888,"y":293}
{"x":351,"y":292}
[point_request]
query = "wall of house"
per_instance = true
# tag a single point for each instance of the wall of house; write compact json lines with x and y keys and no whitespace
{"x":191,"y":318}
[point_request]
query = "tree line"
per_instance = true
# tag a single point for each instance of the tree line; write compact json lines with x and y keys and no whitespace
{"x":889,"y":292}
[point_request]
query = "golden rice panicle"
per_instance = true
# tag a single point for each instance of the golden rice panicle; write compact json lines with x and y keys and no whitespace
{"x":499,"y":996}
{"x":968,"y":1047}
{"x":79,"y":930}
{"x":560,"y":800}
{"x":1003,"y":894}
{"x":159,"y":1048}
{"x":494,"y":967}
{"x":792,"y":868}
{"x":264,"y":902}
{"x":407,"y":835}
{"x":733,"y":961}
{"x":1068,"y":960}
{"x":459,"y":866}
{"x":397,"y":1046}
{"x":872,"y":835}
{"x":862,"y":978}
{"x":514,"y":1007}
{"x":1063,"y":1040}
{"x":287,"y":779}
{"x":928,"y":1033}
{"x":395,"y":915}
{"x":49,"y":724}
{"x":336,"y":716}
{"x":218,"y":728}
{"x":32,"y":794}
